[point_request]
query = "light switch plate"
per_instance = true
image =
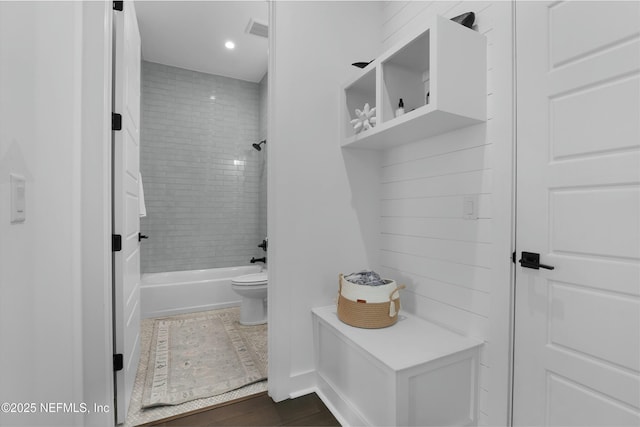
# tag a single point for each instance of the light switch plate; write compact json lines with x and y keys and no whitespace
{"x":470,"y":207}
{"x":18,"y":195}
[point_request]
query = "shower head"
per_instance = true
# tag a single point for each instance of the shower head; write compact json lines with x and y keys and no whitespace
{"x":257,"y":146}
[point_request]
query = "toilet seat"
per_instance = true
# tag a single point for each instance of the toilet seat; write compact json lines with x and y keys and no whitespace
{"x":255,"y":279}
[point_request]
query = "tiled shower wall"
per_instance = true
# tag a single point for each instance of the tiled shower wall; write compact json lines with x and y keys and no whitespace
{"x":202,"y":178}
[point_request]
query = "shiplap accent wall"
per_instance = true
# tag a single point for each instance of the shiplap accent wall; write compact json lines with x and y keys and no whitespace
{"x":446,"y":262}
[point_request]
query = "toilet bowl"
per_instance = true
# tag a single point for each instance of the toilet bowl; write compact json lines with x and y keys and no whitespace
{"x":253,"y":290}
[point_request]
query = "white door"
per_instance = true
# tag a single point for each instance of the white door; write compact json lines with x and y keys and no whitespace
{"x":577,"y":327}
{"x":126,"y":222}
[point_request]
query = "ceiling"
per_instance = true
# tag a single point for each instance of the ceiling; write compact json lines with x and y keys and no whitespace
{"x":192,"y":34}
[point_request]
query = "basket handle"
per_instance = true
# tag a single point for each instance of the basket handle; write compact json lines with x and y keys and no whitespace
{"x":339,"y":288}
{"x":392,"y":305}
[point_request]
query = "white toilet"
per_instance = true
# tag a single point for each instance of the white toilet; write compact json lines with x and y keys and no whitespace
{"x":253,"y":290}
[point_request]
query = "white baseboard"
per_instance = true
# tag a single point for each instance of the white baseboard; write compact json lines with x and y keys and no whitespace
{"x":310,"y":382}
{"x":302,"y":383}
{"x":339,"y":406}
{"x":192,"y":309}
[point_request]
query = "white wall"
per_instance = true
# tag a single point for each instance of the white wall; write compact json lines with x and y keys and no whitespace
{"x":457,"y":271}
{"x":40,"y":260}
{"x":322,"y":205}
{"x":97,"y":369}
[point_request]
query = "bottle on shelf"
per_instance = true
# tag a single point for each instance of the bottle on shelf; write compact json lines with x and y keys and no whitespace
{"x":425,"y":81}
{"x":400,"y":110}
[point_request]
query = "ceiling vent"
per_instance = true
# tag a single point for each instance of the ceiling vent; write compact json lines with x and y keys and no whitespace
{"x":258,"y":28}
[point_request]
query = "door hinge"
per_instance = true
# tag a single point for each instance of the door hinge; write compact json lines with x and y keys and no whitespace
{"x":116,"y":121}
{"x":513,"y":257}
{"x":118,"y":5}
{"x":118,"y":362}
{"x":116,"y":242}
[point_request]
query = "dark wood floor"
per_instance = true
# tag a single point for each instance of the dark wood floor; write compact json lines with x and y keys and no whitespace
{"x":258,"y":410}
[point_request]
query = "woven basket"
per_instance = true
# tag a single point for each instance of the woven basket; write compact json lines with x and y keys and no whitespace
{"x":370,"y":315}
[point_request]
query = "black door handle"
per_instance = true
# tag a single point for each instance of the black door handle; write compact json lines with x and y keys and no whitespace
{"x":142,"y":236}
{"x":532,"y":260}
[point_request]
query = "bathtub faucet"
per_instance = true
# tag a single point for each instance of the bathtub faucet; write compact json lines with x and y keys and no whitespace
{"x":254,"y":260}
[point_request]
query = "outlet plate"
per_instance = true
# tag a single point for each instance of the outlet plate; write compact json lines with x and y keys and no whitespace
{"x":470,"y":207}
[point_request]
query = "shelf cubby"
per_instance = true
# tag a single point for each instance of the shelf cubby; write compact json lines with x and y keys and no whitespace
{"x":360,"y":92}
{"x":403,"y":75}
{"x":445,"y":59}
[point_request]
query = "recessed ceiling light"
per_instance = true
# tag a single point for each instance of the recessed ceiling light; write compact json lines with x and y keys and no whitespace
{"x":229,"y":44}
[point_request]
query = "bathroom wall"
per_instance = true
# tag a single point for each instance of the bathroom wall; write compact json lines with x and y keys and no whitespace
{"x":202,"y":177}
{"x":322,"y":205}
{"x":457,"y":271}
{"x":41,"y":259}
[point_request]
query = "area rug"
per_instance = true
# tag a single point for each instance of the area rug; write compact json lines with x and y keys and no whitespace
{"x":137,"y":416}
{"x":199,"y":355}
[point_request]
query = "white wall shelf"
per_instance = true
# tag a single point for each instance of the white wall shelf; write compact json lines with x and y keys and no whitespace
{"x":446,"y":60}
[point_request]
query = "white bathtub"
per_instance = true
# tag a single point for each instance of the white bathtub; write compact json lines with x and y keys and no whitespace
{"x":176,"y":292}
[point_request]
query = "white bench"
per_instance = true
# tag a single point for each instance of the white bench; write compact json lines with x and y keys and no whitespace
{"x":412,"y":373}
